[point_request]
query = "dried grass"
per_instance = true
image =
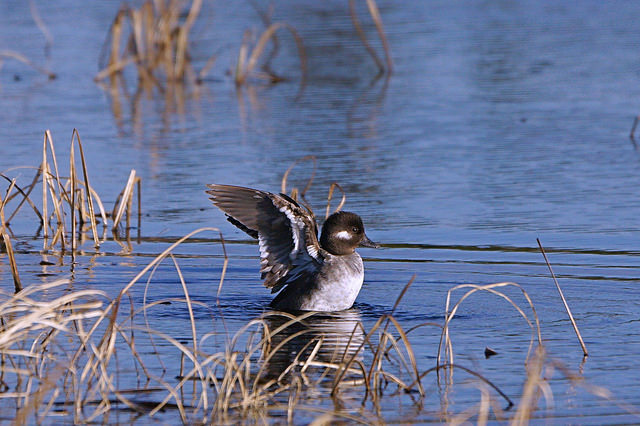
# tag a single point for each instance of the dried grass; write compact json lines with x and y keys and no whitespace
{"x":6,"y":240}
{"x":62,"y":352}
{"x":564,"y":301}
{"x":79,"y":378}
{"x":247,"y":62}
{"x":450,"y":312}
{"x":71,"y":197}
{"x":154,"y":37}
{"x":374,"y":12}
{"x":61,"y":356}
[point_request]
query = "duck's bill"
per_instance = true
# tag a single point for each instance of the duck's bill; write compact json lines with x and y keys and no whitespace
{"x":366,"y":242}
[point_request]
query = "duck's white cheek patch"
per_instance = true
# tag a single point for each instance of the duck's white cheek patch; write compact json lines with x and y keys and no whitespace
{"x":343,"y":235}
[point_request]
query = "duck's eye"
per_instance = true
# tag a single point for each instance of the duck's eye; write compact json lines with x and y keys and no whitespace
{"x":355,"y":230}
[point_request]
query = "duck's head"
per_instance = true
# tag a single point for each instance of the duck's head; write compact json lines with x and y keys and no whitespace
{"x":342,"y":232}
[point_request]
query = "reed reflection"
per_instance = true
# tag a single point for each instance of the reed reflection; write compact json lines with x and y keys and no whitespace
{"x":315,"y":347}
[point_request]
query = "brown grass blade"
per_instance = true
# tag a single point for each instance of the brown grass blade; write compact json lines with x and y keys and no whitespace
{"x":7,"y":242}
{"x":44,"y":172}
{"x":377,"y":19}
{"x":72,"y":179}
{"x":183,"y":38}
{"x":42,"y":27}
{"x":25,"y":196}
{"x":202,"y":74}
{"x":358,"y":26}
{"x":530,"y":392}
{"x":330,"y":196}
{"x":564,"y":301}
{"x":125,"y":198}
{"x":55,"y":198}
{"x":3,"y":202}
{"x":242,"y":72}
{"x":283,"y":182}
{"x":409,"y":350}
{"x":21,"y":58}
{"x":92,"y":215}
{"x":243,"y":53}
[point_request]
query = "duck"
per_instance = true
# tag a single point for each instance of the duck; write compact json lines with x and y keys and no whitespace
{"x":309,"y":274}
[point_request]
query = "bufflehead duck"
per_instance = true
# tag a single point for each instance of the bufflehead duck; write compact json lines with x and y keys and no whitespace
{"x":323,"y":275}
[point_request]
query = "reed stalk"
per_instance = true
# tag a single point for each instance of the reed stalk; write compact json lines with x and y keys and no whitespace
{"x":564,"y":301}
{"x":247,"y":62}
{"x":7,"y":241}
{"x":374,"y":12}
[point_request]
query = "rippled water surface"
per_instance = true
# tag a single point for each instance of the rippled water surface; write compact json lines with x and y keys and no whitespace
{"x":501,"y":123}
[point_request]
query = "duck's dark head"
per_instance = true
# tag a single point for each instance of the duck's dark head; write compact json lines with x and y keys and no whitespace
{"x":342,"y":232}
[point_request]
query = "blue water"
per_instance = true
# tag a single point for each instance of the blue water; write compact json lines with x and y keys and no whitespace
{"x":501,"y":123}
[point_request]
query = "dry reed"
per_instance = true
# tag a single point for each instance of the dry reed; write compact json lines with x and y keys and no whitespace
{"x":247,"y":63}
{"x":450,"y":312}
{"x":11,"y":54}
{"x":154,"y":37}
{"x":564,"y":301}
{"x":374,"y":12}
{"x":60,"y":355}
{"x":70,"y":197}
{"x":6,"y":240}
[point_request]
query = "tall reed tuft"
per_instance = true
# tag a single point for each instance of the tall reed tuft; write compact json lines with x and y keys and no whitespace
{"x":155,"y":39}
{"x":69,"y":206}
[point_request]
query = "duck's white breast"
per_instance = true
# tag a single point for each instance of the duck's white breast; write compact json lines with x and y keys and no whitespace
{"x":338,"y":284}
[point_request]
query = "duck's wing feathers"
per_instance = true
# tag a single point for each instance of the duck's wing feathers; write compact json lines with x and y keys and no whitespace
{"x":287,"y":234}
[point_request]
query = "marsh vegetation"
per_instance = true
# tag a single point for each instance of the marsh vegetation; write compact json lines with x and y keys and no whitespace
{"x":80,"y":355}
{"x":459,"y":135}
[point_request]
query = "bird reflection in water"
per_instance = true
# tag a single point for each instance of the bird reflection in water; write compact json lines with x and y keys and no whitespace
{"x":313,"y":345}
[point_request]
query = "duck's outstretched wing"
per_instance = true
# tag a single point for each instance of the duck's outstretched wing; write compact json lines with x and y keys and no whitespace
{"x":286,"y":233}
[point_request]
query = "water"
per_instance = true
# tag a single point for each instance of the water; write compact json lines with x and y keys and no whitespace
{"x":501,"y":123}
